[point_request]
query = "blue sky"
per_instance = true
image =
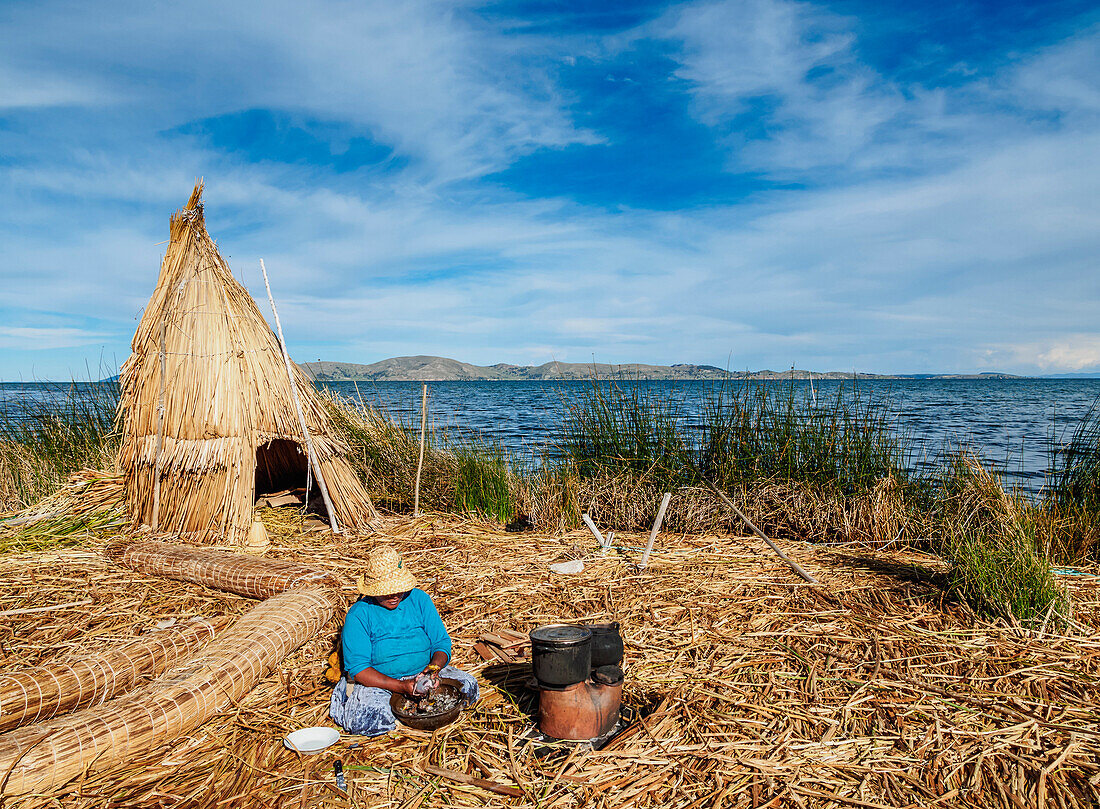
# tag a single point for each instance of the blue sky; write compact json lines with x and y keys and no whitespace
{"x":754,"y":184}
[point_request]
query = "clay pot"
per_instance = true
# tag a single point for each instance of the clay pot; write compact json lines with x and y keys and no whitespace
{"x":579,"y":712}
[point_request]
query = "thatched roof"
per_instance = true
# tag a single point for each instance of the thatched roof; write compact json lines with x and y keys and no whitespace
{"x":227,"y":402}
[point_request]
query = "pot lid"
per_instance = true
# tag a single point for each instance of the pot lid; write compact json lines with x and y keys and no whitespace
{"x":561,"y":634}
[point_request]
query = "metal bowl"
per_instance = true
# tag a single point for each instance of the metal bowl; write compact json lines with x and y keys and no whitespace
{"x":420,"y":721}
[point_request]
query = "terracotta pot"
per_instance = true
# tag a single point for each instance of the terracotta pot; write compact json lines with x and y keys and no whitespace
{"x":579,"y":712}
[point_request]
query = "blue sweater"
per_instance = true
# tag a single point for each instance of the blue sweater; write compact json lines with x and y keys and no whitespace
{"x":398,"y":642}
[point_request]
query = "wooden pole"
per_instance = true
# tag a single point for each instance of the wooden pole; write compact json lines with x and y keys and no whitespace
{"x":160,"y":432}
{"x":313,"y":462}
{"x":423,"y":434}
{"x":791,"y":562}
{"x":656,"y":529}
{"x":595,"y":532}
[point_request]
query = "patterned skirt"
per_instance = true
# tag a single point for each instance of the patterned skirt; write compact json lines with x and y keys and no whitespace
{"x":366,"y":711}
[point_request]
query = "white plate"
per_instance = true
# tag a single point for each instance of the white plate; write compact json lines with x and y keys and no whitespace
{"x":572,"y":566}
{"x":311,"y":740}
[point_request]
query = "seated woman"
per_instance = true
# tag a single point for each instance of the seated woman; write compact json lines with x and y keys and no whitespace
{"x":391,"y":635}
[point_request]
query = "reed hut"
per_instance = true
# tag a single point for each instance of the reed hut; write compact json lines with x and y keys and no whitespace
{"x":207,"y":408}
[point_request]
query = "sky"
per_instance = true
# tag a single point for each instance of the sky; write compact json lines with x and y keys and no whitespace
{"x":874,"y":186}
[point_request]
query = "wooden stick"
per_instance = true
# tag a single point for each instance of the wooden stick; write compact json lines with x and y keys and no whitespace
{"x":33,"y":518}
{"x":596,"y":533}
{"x":656,"y":528}
{"x":160,"y":434}
{"x":423,"y":433}
{"x":307,"y":763}
{"x":790,"y":562}
{"x":314,"y":463}
{"x":463,"y":778}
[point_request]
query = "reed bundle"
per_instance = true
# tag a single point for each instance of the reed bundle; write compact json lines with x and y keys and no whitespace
{"x":45,"y":691}
{"x":207,"y":407}
{"x":41,"y":756}
{"x":231,"y":572}
{"x":749,"y":688}
{"x":87,"y":501}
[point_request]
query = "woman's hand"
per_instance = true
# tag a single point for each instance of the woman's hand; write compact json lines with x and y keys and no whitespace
{"x":432,"y":671}
{"x":406,"y":688}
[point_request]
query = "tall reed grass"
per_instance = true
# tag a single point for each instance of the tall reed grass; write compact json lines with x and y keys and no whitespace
{"x":749,"y":432}
{"x":464,"y":476}
{"x":46,"y":436}
{"x":997,"y":543}
{"x":1073,"y":490}
{"x":834,"y":470}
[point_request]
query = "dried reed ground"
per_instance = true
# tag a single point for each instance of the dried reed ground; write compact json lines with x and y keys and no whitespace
{"x":760,"y":690}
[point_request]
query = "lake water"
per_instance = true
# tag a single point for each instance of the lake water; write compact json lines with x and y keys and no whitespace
{"x":1010,"y":423}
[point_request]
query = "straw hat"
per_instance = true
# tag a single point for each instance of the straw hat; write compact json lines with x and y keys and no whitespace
{"x":384,"y":573}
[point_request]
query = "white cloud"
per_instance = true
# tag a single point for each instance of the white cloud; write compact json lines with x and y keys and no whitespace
{"x":41,"y":339}
{"x":1062,"y":78}
{"x":1065,"y":353}
{"x":1074,"y":353}
{"x":419,"y":74}
{"x":31,"y":89}
{"x":819,"y":107}
{"x":795,"y":60}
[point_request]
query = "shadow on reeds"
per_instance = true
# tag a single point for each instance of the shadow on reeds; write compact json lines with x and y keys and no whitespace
{"x":902,"y":572}
{"x":511,"y":680}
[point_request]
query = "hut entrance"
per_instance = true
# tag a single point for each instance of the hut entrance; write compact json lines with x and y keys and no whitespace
{"x":280,"y":465}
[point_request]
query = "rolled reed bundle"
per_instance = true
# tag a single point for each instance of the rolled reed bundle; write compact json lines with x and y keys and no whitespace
{"x":52,"y":689}
{"x":42,"y":756}
{"x":234,"y":573}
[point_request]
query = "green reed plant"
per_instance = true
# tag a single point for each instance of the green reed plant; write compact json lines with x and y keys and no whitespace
{"x":1071,"y":497}
{"x":1074,"y":480}
{"x":62,"y":531}
{"x":458,"y":475}
{"x":48,"y":436}
{"x":761,"y":431}
{"x":482,"y":480}
{"x":995,"y":544}
{"x":750,"y":432}
{"x":614,"y":429}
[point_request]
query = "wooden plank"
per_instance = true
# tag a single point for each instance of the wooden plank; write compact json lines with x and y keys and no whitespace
{"x":463,"y":778}
{"x":484,"y":651}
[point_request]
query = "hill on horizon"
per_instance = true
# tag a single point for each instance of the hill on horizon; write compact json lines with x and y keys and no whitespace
{"x":444,"y":369}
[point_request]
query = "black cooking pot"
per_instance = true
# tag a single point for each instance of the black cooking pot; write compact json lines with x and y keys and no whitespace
{"x":561,"y":654}
{"x":607,"y":644}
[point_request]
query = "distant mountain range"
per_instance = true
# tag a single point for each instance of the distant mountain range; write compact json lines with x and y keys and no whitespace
{"x":443,"y":369}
